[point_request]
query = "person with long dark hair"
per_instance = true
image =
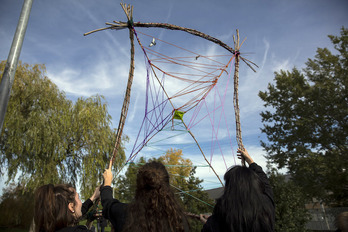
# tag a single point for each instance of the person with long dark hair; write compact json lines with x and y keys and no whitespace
{"x":154,"y":207}
{"x":247,"y":203}
{"x":58,"y":208}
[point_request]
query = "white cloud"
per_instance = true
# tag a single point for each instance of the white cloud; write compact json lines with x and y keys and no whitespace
{"x":210,"y":179}
{"x":100,"y":78}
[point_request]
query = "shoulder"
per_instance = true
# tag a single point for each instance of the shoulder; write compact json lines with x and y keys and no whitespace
{"x":254,"y":166}
{"x":258,"y":170}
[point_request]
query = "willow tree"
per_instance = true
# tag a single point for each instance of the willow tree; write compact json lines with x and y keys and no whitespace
{"x":47,"y":138}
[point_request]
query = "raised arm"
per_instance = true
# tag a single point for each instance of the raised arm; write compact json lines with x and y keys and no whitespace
{"x":244,"y":153}
{"x":89,"y":202}
{"x":113,"y":209}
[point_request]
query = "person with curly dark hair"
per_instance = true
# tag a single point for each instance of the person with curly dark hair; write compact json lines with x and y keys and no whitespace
{"x":59,"y":208}
{"x":247,"y":202}
{"x":341,"y":222}
{"x":154,"y":207}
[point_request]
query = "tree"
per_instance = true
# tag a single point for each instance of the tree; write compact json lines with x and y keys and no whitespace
{"x":17,"y":207}
{"x":291,"y":215}
{"x":178,"y":167}
{"x":126,"y":185}
{"x":307,"y":129}
{"x":47,"y":138}
{"x":195,"y":200}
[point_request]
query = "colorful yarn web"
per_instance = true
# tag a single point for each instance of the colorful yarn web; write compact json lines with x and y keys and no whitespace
{"x":185,"y":98}
{"x":185,"y":104}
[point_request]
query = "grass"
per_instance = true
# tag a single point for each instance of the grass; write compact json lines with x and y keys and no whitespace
{"x":8,"y":229}
{"x":12,"y":229}
{"x":107,"y":228}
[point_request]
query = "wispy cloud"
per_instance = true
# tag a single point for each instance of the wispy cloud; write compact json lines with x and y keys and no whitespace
{"x":267,"y":46}
{"x":115,"y":43}
{"x":280,"y":64}
{"x":133,"y":107}
{"x":166,"y":20}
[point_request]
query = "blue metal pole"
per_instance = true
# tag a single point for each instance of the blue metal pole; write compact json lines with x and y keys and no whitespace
{"x":12,"y":60}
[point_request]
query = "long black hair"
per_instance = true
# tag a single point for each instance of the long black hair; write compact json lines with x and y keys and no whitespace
{"x":155,"y":207}
{"x":243,"y":205}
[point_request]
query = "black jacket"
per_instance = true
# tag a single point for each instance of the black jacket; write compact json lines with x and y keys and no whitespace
{"x":113,"y":209}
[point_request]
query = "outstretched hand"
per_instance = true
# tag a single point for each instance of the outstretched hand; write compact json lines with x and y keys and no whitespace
{"x":108,"y":175}
{"x":244,"y":153}
{"x":96,"y":194}
{"x":204,"y":218}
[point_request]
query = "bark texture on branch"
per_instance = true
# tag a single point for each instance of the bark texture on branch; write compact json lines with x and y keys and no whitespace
{"x":122,"y":25}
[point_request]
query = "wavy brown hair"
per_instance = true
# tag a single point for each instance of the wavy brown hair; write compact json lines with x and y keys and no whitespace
{"x":341,"y":222}
{"x":51,"y":210}
{"x":154,"y":207}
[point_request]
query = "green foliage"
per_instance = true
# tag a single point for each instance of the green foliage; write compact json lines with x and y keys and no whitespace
{"x":47,"y":138}
{"x":177,"y":166}
{"x":17,"y":207}
{"x":291,"y":215}
{"x":126,"y":185}
{"x":195,"y":199}
{"x":307,"y":126}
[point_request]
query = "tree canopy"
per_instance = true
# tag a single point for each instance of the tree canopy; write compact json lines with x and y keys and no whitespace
{"x":178,"y":167}
{"x":307,"y":125}
{"x":17,"y":207}
{"x":291,"y":215}
{"x":47,"y":138}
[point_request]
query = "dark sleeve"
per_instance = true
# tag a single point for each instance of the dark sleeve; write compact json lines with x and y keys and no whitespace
{"x":113,"y":209}
{"x":210,"y":226}
{"x":86,"y":205}
{"x":205,"y":227}
{"x":258,"y":170}
{"x":268,"y":188}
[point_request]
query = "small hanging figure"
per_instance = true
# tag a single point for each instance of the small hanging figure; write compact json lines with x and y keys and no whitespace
{"x":153,"y":43}
{"x":198,"y":57}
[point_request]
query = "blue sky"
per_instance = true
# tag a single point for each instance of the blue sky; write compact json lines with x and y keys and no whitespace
{"x":280,"y":35}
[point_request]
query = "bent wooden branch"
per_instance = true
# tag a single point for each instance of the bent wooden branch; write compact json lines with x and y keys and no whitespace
{"x":122,"y":25}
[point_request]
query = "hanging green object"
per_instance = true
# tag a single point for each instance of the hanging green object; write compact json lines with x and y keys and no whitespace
{"x":178,"y":115}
